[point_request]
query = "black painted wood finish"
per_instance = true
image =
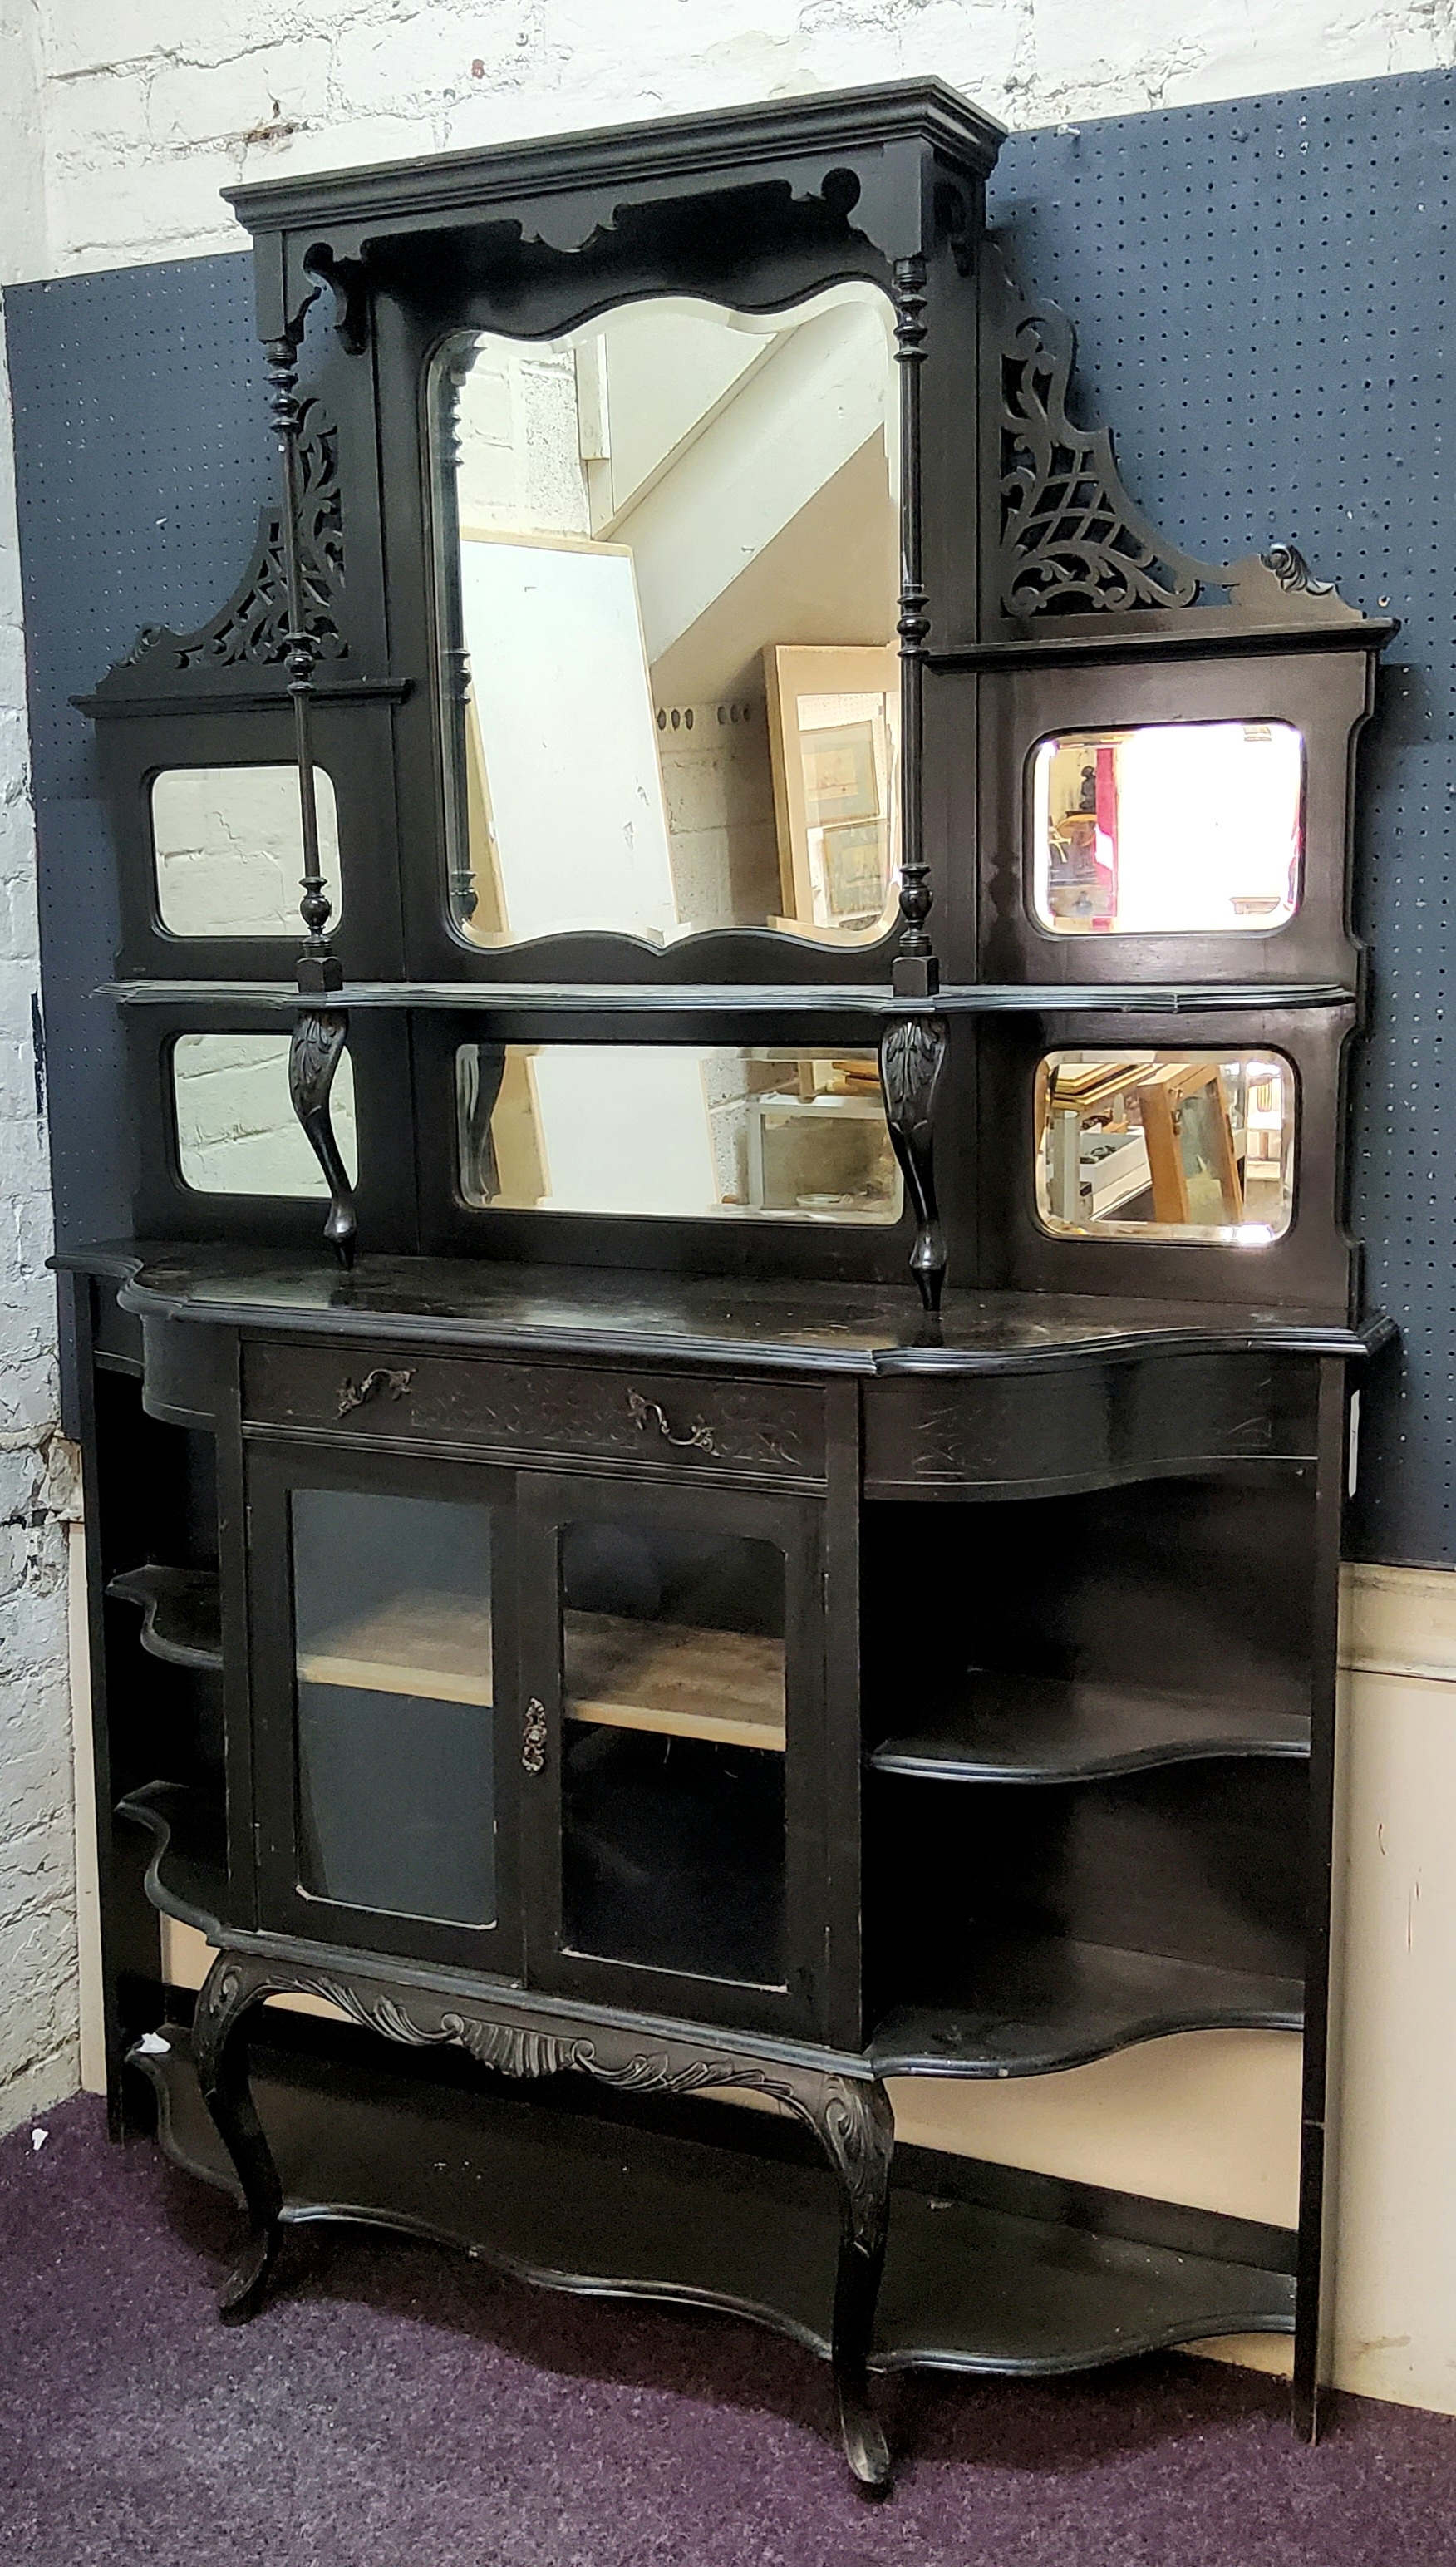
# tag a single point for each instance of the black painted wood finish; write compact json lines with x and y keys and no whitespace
{"x":986,"y":2270}
{"x":1017,"y":616}
{"x":1059,"y":1539}
{"x":1083,"y":1779}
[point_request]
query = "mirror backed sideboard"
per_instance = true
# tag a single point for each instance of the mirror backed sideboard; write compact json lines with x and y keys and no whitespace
{"x":715,"y":1462}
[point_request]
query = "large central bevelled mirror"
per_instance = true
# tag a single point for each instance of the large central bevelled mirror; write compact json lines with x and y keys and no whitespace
{"x":668,"y":549}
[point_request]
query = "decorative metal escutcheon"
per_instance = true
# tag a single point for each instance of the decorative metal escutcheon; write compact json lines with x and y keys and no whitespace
{"x":646,"y":1412}
{"x":357,"y":1394}
{"x":533,"y":1737}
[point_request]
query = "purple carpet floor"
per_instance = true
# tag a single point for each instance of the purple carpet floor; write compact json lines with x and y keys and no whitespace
{"x":399,"y":2407}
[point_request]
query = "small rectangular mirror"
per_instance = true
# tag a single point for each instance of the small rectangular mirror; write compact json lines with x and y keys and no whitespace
{"x":761,"y":1134}
{"x":228,"y":847}
{"x":1153,"y":1145}
{"x":1169,"y":829}
{"x":237,"y":1133}
{"x":667,"y":559}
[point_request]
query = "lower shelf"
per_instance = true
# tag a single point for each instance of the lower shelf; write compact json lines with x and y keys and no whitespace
{"x":987,"y":2269}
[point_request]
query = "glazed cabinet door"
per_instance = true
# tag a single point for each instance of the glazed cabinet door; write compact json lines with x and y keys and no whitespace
{"x":383,"y":1656}
{"x":673,"y":1749}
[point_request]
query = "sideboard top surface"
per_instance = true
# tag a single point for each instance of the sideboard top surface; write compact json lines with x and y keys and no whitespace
{"x":816,"y":1326}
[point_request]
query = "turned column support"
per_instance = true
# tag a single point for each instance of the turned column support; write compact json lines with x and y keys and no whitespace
{"x":320,"y":1031}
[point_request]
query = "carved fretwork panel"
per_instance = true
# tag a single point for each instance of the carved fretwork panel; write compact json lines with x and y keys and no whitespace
{"x":1067,"y":537}
{"x":1071,"y":541}
{"x":251,"y":631}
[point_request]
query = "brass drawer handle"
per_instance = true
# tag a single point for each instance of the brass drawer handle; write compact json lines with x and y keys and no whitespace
{"x":646,"y":1412}
{"x":357,"y":1394}
{"x":533,"y":1738}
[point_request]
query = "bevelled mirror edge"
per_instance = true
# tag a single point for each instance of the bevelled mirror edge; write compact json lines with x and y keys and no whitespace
{"x":1194,"y":1148}
{"x":1301,"y":1256}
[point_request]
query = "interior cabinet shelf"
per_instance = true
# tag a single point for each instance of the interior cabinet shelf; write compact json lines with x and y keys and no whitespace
{"x":180,"y":1616}
{"x":1034,"y":2002}
{"x":670,"y":1677}
{"x":723,"y":1686}
{"x":187,"y":1876}
{"x":1000,"y":1727}
{"x":987,"y":2270}
{"x":423,"y":1644}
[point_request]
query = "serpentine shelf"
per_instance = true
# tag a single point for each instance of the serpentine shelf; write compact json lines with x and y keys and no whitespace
{"x":1007,"y":1728}
{"x":1036,"y":2002}
{"x":187,"y":1875}
{"x":987,"y":2269}
{"x":689,"y":999}
{"x":864,"y":1329}
{"x":180,"y":1615}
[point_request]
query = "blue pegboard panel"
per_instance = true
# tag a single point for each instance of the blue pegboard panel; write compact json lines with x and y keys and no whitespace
{"x":142,"y":460}
{"x":1260,"y":290}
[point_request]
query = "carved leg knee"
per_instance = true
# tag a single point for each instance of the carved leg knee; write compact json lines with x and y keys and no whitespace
{"x":220,"y":2056}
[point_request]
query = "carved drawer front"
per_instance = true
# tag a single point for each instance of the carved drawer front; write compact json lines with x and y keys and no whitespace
{"x":1010,"y":1433}
{"x":686,"y":1422}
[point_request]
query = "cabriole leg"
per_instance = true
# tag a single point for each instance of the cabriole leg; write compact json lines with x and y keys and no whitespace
{"x":855,"y":2126}
{"x":220,"y":2056}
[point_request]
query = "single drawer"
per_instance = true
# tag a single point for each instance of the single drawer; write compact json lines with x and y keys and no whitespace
{"x":1007,"y":1434}
{"x":688,"y":1422}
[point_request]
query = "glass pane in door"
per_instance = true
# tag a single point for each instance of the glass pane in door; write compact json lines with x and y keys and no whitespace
{"x":673,"y":1729}
{"x":394,"y":1691}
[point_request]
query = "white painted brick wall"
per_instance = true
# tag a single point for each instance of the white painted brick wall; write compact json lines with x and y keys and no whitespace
{"x":38,"y":2056}
{"x":146,"y":107}
{"x":119,"y":119}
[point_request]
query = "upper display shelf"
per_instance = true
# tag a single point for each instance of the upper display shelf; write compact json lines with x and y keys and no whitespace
{"x":808,"y":998}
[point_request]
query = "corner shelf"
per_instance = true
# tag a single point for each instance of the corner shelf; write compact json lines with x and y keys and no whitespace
{"x":181,"y":1614}
{"x":187,"y":1876}
{"x":1007,"y":1728}
{"x":1037,"y":2002}
{"x":987,"y":2269}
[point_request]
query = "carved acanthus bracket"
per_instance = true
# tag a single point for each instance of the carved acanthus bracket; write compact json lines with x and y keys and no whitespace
{"x":252,"y":630}
{"x":254,"y":625}
{"x":912,"y":1057}
{"x":319,"y":1038}
{"x":1071,"y":539}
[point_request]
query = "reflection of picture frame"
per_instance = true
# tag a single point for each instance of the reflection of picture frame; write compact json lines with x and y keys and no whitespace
{"x":835,"y":784}
{"x":853,"y":870}
{"x":840,"y":782}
